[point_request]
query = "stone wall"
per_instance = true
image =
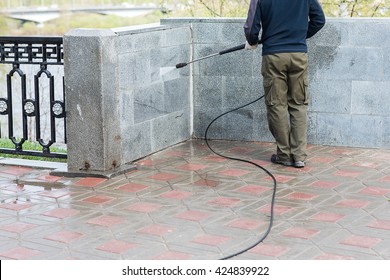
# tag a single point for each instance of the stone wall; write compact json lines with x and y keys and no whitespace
{"x":349,"y":82}
{"x":125,"y":99}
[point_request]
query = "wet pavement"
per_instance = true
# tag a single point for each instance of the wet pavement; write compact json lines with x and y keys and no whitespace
{"x":187,"y":203}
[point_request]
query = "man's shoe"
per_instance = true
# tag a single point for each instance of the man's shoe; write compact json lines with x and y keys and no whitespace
{"x":299,"y":164}
{"x":275,"y":159}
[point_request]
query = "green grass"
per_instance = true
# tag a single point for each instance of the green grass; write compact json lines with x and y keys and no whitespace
{"x":30,"y":146}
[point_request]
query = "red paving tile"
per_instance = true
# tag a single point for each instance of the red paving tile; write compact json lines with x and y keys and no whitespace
{"x":98,"y":199}
{"x":132,"y":187}
{"x":224,"y":201}
{"x":62,"y":213}
{"x":144,"y":207}
{"x":192,"y":167}
{"x":18,"y":227}
{"x":353,"y":203}
{"x":385,"y":179}
{"x":270,"y":250}
{"x":64,"y":236}
{"x":179,"y":195}
{"x":327,"y":217}
{"x":163,"y":176}
{"x":156,"y":229}
{"x":106,"y":221}
{"x":361,"y":241}
{"x":116,"y":246}
{"x":253,"y":189}
{"x":325,"y":184}
{"x":281,"y":178}
{"x":262,"y":163}
{"x":192,"y":215}
{"x":212,"y":240}
{"x":90,"y":182}
{"x":346,"y":173}
{"x":375,"y":191}
{"x":215,"y":158}
{"x":20,"y":253}
{"x":207,"y":183}
{"x":16,"y":205}
{"x":301,"y":196}
{"x":302,"y":233}
{"x":380,"y":224}
{"x":278,"y":209}
{"x":49,"y":178}
{"x":247,"y":224}
{"x":234,"y":172}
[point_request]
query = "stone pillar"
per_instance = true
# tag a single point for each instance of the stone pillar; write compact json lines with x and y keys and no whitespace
{"x":92,"y":103}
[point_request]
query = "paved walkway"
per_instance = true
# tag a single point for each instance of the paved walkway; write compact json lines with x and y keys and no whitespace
{"x":186,"y":203}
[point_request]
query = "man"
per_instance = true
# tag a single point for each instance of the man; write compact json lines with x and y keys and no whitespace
{"x":285,"y":25}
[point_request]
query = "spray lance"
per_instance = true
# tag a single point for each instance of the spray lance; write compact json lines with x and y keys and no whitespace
{"x":233,"y":49}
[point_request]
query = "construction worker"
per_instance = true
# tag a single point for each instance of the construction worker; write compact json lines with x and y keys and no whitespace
{"x":285,"y":25}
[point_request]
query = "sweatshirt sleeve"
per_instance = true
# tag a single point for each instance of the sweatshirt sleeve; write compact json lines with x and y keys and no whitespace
{"x":316,"y":18}
{"x":252,"y":25}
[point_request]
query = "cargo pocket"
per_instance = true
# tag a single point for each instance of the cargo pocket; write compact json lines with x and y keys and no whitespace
{"x":304,"y":96}
{"x":268,"y":92}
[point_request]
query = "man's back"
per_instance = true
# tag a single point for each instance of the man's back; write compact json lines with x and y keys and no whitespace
{"x":285,"y":24}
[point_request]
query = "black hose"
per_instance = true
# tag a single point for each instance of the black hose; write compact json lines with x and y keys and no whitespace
{"x":255,"y":164}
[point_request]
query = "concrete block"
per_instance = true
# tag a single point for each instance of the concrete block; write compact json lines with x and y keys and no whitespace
{"x":208,"y":92}
{"x":203,"y":117}
{"x":237,"y":63}
{"x":139,"y":42}
{"x":366,"y":131}
{"x":370,"y":97}
{"x":330,"y":96}
{"x":176,"y":95}
{"x":127,"y":107}
{"x":356,"y":63}
{"x":92,"y":102}
{"x":334,"y":33}
{"x":312,"y":132}
{"x":137,"y":141}
{"x":176,"y":36}
{"x":238,"y":91}
{"x":170,"y":129}
{"x":149,"y":102}
{"x":260,"y":126}
{"x":334,"y":129}
{"x":372,"y":34}
{"x":237,"y":125}
{"x":134,"y":69}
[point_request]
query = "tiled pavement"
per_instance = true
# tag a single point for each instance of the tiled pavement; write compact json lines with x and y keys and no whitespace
{"x":186,"y":203}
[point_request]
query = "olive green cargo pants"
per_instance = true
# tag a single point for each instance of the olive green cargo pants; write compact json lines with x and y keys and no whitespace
{"x":286,"y":96}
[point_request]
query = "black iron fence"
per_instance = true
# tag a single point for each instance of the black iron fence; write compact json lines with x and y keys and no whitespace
{"x":33,"y":101}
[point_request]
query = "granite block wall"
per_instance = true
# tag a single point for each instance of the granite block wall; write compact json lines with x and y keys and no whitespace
{"x":348,"y":82}
{"x":126,"y":99}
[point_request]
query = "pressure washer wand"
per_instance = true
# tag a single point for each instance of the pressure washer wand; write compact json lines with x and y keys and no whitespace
{"x":233,"y":49}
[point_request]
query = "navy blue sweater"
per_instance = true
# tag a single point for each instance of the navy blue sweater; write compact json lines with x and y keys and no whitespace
{"x":285,"y":24}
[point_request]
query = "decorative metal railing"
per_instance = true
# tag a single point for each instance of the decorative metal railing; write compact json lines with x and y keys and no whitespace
{"x":28,"y":108}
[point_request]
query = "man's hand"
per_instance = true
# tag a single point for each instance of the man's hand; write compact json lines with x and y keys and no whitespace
{"x":250,"y":47}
